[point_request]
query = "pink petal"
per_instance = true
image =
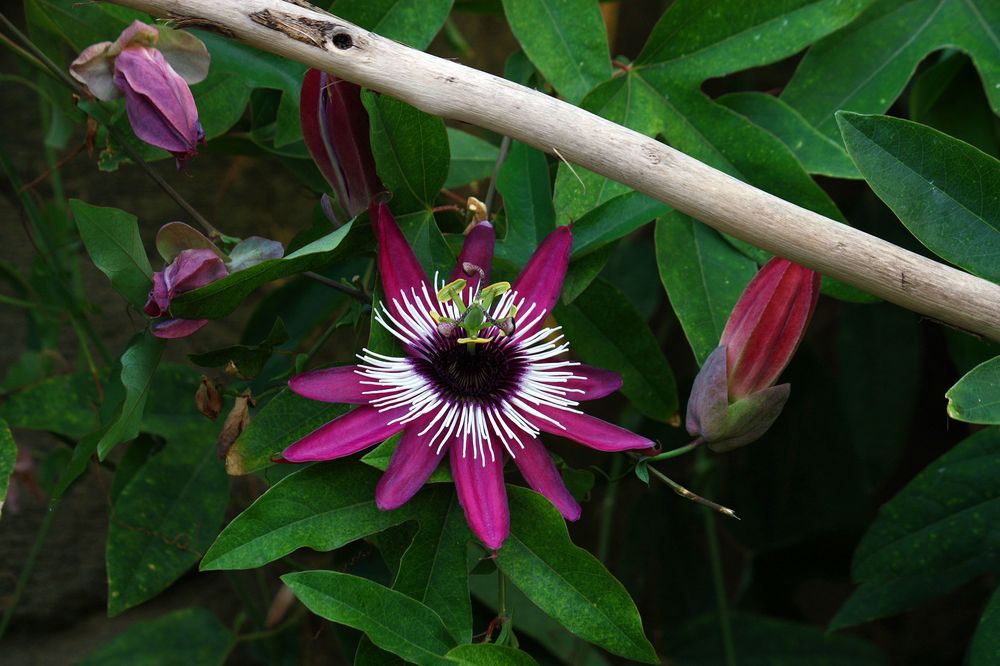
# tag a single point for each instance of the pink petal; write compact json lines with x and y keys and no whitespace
{"x":94,"y":68}
{"x":192,"y":269}
{"x":587,"y":430}
{"x":478,"y":251}
{"x":159,"y":300}
{"x":137,"y":34}
{"x":345,"y":435}
{"x":187,"y":54}
{"x":340,"y":384}
{"x":400,"y":270}
{"x":541,"y":280}
{"x":541,"y":474}
{"x":411,"y":464}
{"x":596,"y":382}
{"x":159,"y":103}
{"x":483,"y":496}
{"x":171,"y":329}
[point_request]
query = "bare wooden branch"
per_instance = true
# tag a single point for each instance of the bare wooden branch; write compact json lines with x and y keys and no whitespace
{"x":445,"y":88}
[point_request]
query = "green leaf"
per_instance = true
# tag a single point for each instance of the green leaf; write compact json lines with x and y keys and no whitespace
{"x":975,"y":397}
{"x":66,"y":405}
{"x":472,"y":158}
{"x":946,"y":192}
{"x":422,"y":233}
{"x":613,"y":219}
{"x":985,"y":649}
{"x":222,"y":297}
{"x":8,"y":455}
{"x":704,"y":277}
{"x":817,"y":152}
{"x":566,"y":39}
{"x":865,"y":66}
{"x":488,"y":654}
{"x":762,"y":640}
{"x":138,"y":369}
{"x":433,"y":569}
{"x":247,"y":359}
{"x":527,"y":201}
{"x":413,"y":22}
{"x":322,"y":507}
{"x":938,"y":528}
{"x":186,"y":636}
{"x":411,"y":151}
{"x":567,"y":582}
{"x":164,"y":519}
{"x":605,"y":330}
{"x":111,"y":237}
{"x":392,"y":620}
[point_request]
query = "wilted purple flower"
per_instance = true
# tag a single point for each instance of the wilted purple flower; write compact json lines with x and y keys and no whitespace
{"x":483,"y":377}
{"x":336,"y":130}
{"x":189,"y":270}
{"x":733,"y":399}
{"x":152,"y":68}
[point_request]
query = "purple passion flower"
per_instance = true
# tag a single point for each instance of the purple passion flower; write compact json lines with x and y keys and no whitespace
{"x":483,"y":376}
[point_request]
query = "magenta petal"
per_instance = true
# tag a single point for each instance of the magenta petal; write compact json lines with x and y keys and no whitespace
{"x":345,"y":435}
{"x":192,"y":269}
{"x":541,"y":280}
{"x":478,"y":251}
{"x":541,"y":474}
{"x":596,"y":382}
{"x":340,"y":384}
{"x":401,"y":272}
{"x":177,"y":328}
{"x":159,"y":300}
{"x":587,"y":430}
{"x":411,"y":464}
{"x":483,"y":496}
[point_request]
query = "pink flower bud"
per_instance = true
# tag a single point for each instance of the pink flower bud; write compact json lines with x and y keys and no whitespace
{"x":190,"y":269}
{"x":733,"y":400}
{"x":767,"y":324}
{"x":152,"y":68}
{"x":336,"y":130}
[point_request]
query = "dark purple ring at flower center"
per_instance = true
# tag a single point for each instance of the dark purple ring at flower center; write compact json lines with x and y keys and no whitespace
{"x":485,"y":377}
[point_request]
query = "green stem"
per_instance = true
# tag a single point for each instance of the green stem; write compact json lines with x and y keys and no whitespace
{"x":269,"y":633}
{"x":333,"y":284}
{"x":492,"y":190}
{"x":687,"y":494}
{"x":28,"y":305}
{"x":29,"y":564}
{"x":718,"y":582}
{"x":608,"y":509}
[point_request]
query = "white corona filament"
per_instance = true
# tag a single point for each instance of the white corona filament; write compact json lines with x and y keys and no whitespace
{"x":474,"y":424}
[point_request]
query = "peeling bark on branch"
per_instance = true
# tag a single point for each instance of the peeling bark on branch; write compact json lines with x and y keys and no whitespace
{"x":296,"y":30}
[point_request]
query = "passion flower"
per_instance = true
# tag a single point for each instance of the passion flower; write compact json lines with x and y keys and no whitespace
{"x":483,"y":377}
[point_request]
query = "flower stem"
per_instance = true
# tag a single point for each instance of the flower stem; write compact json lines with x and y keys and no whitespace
{"x":718,"y":582}
{"x":29,"y":564}
{"x":492,"y":190}
{"x":687,"y":494}
{"x":333,"y":284}
{"x":608,"y":509}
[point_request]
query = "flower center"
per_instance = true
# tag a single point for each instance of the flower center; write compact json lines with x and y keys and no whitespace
{"x":484,"y":377}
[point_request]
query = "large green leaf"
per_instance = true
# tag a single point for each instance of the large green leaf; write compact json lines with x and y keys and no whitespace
{"x":566,"y":39}
{"x":67,"y":405}
{"x":424,"y":236}
{"x":762,"y":641}
{"x":567,"y":582}
{"x":605,"y":330}
{"x":322,"y":507}
{"x":139,"y":364}
{"x":413,"y":22}
{"x":220,"y":298}
{"x":704,"y":277}
{"x":488,"y":654}
{"x":985,"y":649}
{"x":411,"y":151}
{"x":186,"y":636}
{"x":472,"y":158}
{"x":527,"y":201}
{"x":111,"y":237}
{"x":865,"y":66}
{"x":938,"y":531}
{"x":976,"y":397}
{"x":164,"y":519}
{"x":817,"y":152}
{"x":392,"y":620}
{"x":614,"y":219}
{"x":8,"y":455}
{"x":946,"y":192}
{"x":285,"y":419}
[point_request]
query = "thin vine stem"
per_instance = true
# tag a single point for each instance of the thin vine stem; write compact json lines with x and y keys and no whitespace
{"x":29,"y":564}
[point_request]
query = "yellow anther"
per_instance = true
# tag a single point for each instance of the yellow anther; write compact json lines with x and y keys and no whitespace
{"x":451,"y":290}
{"x":497,"y":288}
{"x":436,"y":317}
{"x":475,"y":341}
{"x":478,"y":210}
